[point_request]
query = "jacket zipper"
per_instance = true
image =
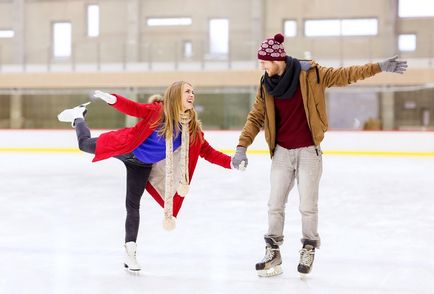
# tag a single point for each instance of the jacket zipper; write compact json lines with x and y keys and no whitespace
{"x":307,"y":101}
{"x":266,"y":114}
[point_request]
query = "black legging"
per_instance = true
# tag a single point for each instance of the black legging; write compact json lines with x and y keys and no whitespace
{"x":137,"y":177}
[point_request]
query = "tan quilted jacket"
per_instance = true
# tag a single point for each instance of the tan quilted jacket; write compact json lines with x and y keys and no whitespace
{"x":314,"y":79}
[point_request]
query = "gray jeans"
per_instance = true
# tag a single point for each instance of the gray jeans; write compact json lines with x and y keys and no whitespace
{"x":303,"y":165}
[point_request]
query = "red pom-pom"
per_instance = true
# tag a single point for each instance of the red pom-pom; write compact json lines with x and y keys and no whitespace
{"x":279,"y":38}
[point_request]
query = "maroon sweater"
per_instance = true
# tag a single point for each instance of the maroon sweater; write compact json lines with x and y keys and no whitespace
{"x":292,"y":128}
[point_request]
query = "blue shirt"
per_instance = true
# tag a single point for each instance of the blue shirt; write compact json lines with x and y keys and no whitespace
{"x":153,"y":149}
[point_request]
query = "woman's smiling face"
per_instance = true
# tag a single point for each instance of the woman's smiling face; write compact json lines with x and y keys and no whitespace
{"x":187,"y":97}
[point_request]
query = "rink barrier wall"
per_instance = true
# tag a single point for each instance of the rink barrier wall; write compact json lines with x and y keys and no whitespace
{"x":351,"y":143}
{"x":232,"y":151}
{"x":199,"y":78}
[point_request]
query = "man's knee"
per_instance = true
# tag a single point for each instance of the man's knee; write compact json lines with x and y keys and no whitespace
{"x":308,"y":208}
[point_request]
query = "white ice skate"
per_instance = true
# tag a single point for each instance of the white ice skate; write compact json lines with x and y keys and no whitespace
{"x":70,"y":115}
{"x":130,"y":261}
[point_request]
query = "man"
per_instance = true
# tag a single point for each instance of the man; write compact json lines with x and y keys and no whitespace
{"x":290,"y":106}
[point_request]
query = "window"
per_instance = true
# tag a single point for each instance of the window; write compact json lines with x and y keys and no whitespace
{"x":93,"y":20}
{"x":62,"y":39}
{"x":188,"y":49}
{"x":180,"y":21}
{"x":219,"y":36}
{"x":7,"y":33}
{"x":416,"y":8}
{"x":314,"y":28}
{"x":290,"y":28}
{"x":407,"y":42}
{"x":341,"y":27}
{"x":359,"y":27}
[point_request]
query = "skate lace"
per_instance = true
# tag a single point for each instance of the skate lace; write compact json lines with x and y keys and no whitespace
{"x":306,"y":256}
{"x":269,"y":254}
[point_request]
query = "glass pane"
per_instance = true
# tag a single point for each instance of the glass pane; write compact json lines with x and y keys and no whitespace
{"x":62,"y":39}
{"x":290,"y":28}
{"x":7,"y":33}
{"x":407,"y":42}
{"x":188,"y":49}
{"x":219,"y":36}
{"x":93,"y":20}
{"x":416,"y":8}
{"x":359,"y":27}
{"x":330,"y":27}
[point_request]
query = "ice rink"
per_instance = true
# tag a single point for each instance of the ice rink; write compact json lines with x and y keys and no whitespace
{"x":62,"y":227}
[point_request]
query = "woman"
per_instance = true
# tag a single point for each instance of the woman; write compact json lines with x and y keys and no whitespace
{"x":160,"y":153}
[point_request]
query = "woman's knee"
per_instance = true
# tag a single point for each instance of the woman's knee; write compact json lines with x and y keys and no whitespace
{"x":82,"y":145}
{"x":132,"y":205}
{"x":87,"y":145}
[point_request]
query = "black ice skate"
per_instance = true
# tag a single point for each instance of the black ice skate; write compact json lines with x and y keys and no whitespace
{"x":307,"y":254}
{"x":271,"y":265}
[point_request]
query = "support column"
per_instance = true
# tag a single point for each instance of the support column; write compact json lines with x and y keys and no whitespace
{"x":388,"y":110}
{"x":16,"y":111}
{"x":390,"y":27}
{"x":252,"y":96}
{"x":257,"y":25}
{"x":132,"y":95}
{"x":132,"y":44}
{"x":18,"y":25}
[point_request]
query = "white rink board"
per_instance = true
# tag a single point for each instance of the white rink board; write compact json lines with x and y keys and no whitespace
{"x":227,"y":140}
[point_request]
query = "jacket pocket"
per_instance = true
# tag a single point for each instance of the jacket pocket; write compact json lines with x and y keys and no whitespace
{"x":322,"y":115}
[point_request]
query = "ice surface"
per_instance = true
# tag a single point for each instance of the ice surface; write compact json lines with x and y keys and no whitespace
{"x":62,"y":229}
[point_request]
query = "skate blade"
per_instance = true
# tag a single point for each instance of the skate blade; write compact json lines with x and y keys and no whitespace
{"x":271,"y":272}
{"x":303,"y":276}
{"x":134,"y":272}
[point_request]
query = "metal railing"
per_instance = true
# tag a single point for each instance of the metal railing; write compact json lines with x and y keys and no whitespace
{"x":118,"y":56}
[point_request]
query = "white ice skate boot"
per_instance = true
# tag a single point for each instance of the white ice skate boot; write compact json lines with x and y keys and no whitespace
{"x":271,"y":264}
{"x":70,"y":115}
{"x":130,"y":261}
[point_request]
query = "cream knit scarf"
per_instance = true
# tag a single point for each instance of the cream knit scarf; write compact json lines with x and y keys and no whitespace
{"x":183,"y":186}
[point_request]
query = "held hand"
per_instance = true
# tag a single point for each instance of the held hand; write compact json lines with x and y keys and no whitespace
{"x":240,"y":161}
{"x":110,"y":99}
{"x":393,"y":65}
{"x":241,"y":167}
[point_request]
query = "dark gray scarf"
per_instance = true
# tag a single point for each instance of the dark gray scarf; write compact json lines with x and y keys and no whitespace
{"x":284,"y":86}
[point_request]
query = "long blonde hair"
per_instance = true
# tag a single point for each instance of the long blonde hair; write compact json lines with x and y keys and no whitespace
{"x":171,"y":116}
